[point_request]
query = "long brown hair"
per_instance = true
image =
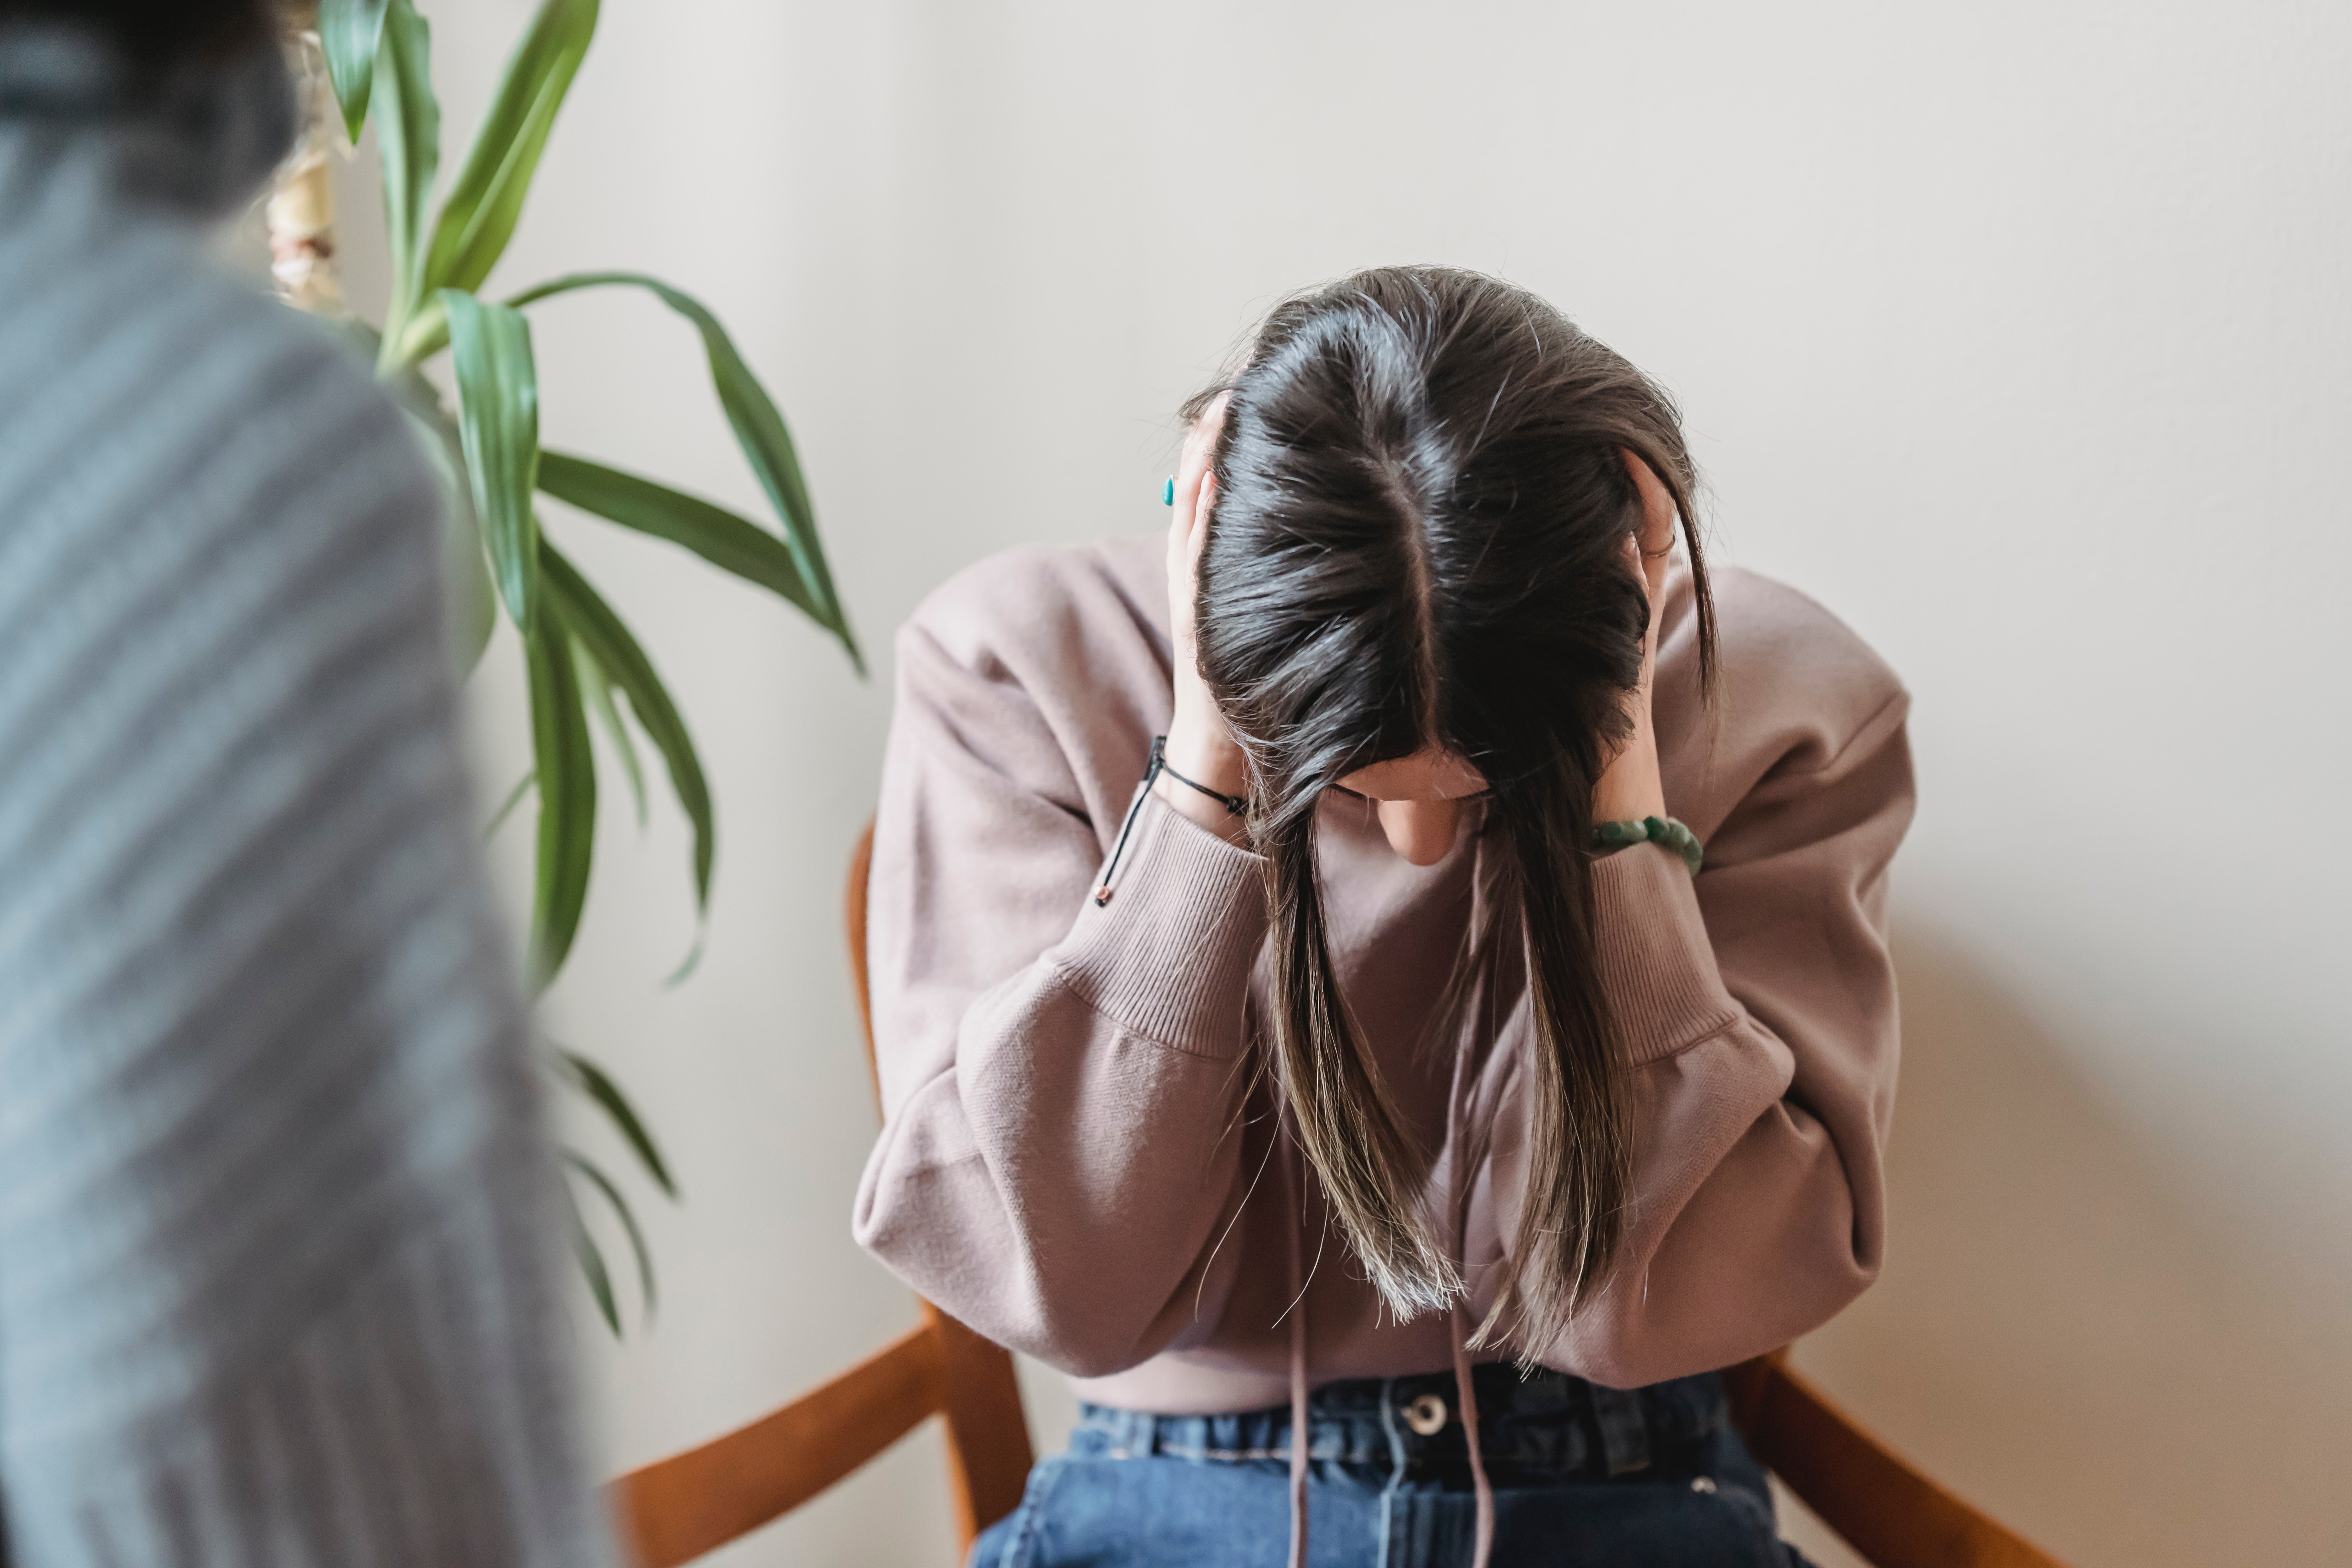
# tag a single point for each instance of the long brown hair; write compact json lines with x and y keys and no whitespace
{"x":1418,"y":540}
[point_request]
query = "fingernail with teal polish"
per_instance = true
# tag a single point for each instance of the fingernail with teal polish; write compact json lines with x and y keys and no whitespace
{"x":1167,"y":492}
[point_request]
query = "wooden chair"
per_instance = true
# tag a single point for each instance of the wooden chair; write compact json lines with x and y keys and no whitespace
{"x":680,"y":1508}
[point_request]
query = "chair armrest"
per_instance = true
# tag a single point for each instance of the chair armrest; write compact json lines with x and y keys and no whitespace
{"x":1884,"y":1509}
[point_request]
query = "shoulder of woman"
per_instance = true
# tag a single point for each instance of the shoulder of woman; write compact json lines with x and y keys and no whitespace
{"x":1774,"y":632}
{"x":1049,"y":661}
{"x":1797,"y":687}
{"x":1100,"y":609}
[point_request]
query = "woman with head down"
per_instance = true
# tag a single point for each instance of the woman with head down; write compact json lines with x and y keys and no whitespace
{"x":1477,"y":1019}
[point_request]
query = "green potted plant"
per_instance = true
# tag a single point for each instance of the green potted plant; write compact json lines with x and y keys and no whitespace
{"x":585,"y":667}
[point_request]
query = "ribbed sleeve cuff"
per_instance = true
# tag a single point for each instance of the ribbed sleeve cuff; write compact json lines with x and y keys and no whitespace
{"x":1169,"y":955}
{"x":1657,"y":966}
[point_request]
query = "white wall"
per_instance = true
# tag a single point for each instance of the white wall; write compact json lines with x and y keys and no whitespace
{"x":2016,"y":334}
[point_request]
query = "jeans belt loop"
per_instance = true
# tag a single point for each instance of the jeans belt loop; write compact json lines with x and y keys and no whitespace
{"x":1625,"y":1430}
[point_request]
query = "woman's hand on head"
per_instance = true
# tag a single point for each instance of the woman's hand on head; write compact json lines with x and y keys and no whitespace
{"x":1199,"y":745}
{"x":1629,"y":786}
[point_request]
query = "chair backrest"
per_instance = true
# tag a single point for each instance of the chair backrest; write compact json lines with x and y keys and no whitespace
{"x":678,"y":1508}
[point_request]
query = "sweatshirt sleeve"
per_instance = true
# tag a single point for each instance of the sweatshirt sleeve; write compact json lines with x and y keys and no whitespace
{"x":275,"y":1212}
{"x":1062,"y":1079}
{"x":1758,"y":1003}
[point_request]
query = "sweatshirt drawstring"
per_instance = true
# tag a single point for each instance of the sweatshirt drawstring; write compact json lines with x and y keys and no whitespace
{"x":1297,"y":1425}
{"x":1298,"y":1185}
{"x":1466,"y":1394}
{"x":1467,"y":1398}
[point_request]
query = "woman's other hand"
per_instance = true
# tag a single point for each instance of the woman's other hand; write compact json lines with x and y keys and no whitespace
{"x":1628,"y":788}
{"x":1200,"y":746}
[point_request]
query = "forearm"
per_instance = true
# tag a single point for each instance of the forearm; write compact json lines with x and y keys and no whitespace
{"x":1758,"y":1088}
{"x":1058,"y":1175}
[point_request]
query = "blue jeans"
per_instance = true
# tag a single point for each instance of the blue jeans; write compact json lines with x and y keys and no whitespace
{"x":1654,"y":1477}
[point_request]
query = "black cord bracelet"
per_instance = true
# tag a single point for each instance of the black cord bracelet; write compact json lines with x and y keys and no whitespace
{"x":1235,"y":805}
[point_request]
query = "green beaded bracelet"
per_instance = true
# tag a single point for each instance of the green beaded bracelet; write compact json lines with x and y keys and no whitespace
{"x":1609,"y":837}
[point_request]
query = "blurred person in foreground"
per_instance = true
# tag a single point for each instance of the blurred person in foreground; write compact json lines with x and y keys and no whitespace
{"x":274,"y":1201}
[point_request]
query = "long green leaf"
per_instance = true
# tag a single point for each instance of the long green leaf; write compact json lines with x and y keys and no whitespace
{"x":597,"y":687}
{"x":603,"y":1183}
{"x":473,"y":603}
{"x":759,"y":428}
{"x":349,"y":31}
{"x":591,"y":1264}
{"x":475,"y":615}
{"x":426,"y":335}
{"x":594,"y":1082}
{"x":729,"y":542}
{"x":609,"y":642}
{"x":408,"y":139}
{"x":466,"y":582}
{"x":567,"y":797}
{"x":497,"y":416}
{"x":483,"y":205}
{"x":506,"y":807}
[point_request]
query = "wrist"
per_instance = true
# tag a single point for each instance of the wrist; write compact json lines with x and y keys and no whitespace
{"x":1199,"y":808}
{"x":1204,"y":753}
{"x":1203,"y":750}
{"x":1628,"y":804}
{"x":1628,"y":790}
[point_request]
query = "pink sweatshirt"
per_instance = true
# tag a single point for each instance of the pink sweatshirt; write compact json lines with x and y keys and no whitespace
{"x":1075,"y":1155}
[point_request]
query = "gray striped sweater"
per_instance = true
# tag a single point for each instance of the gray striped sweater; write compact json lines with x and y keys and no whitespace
{"x":274,"y":1204}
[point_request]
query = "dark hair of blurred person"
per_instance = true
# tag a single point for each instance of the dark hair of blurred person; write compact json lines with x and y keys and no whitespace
{"x":157,"y":35}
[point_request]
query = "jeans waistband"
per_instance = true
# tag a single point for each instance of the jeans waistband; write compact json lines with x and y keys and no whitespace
{"x":1550,"y":1423}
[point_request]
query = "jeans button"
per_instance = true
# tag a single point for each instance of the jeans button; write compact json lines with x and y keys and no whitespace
{"x":1426,"y":1416}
